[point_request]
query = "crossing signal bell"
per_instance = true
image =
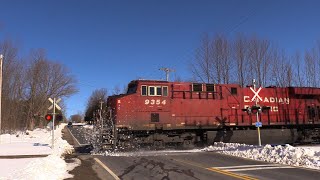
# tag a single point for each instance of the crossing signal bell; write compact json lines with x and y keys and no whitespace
{"x":48,"y":117}
{"x":248,"y":110}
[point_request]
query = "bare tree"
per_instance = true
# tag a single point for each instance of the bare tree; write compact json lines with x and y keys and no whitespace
{"x":310,"y":58}
{"x":45,"y":79}
{"x":259,"y":60}
{"x":216,"y":51}
{"x":76,"y":118}
{"x":116,"y":90}
{"x":221,"y":59}
{"x":241,"y":59}
{"x":298,"y":70}
{"x":13,"y":85}
{"x":202,"y":67}
{"x":281,"y":68}
{"x":93,"y":104}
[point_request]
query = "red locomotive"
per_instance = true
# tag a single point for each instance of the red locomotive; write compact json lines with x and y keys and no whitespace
{"x":162,"y":112}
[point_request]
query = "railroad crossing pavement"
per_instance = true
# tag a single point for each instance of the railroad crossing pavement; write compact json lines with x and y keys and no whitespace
{"x":199,"y":165}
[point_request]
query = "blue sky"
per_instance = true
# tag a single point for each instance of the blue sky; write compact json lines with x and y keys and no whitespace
{"x":109,"y":43}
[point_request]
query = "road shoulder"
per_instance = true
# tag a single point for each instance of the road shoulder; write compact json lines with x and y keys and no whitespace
{"x":89,"y":168}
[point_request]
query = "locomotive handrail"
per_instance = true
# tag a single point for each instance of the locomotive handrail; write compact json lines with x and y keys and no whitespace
{"x":191,"y":92}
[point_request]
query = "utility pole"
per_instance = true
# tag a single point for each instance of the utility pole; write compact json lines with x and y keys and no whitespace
{"x":1,"y":59}
{"x":257,"y":115}
{"x":167,"y":70}
{"x":100,"y":113}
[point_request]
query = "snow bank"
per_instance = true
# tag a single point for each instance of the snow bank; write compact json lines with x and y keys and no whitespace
{"x":289,"y":155}
{"x":36,"y":142}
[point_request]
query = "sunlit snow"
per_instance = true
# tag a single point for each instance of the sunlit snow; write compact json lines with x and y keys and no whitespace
{"x":37,"y":142}
{"x":308,"y":156}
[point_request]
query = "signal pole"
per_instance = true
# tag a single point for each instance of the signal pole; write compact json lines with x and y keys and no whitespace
{"x":1,"y":59}
{"x":257,"y":115}
{"x":54,"y":105}
{"x":167,"y":70}
{"x":54,"y":115}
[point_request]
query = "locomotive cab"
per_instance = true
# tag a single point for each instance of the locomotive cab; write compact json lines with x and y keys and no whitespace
{"x":145,"y":106}
{"x":132,"y":87}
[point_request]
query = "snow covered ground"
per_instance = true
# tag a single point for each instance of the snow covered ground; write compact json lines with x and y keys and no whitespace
{"x":37,"y":142}
{"x":304,"y":156}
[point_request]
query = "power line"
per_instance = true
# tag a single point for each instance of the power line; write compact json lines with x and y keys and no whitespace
{"x":242,"y":21}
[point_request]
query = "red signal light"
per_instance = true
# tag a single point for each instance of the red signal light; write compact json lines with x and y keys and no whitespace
{"x":48,"y":117}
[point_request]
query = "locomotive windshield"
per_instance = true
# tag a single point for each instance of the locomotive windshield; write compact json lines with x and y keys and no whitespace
{"x":132,"y":88}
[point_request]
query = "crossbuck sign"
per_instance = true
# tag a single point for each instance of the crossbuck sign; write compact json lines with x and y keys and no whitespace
{"x":256,"y":94}
{"x":54,"y":104}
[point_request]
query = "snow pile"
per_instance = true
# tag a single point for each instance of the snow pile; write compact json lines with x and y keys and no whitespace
{"x":50,"y":168}
{"x":289,"y":155}
{"x":87,"y":126}
{"x":37,"y":142}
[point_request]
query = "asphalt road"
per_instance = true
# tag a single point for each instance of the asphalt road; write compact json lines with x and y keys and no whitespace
{"x":184,"y":165}
{"x":81,"y":134}
{"x":198,"y":165}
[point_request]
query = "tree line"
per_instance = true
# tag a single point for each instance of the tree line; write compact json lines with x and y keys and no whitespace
{"x":27,"y":83}
{"x":223,"y":60}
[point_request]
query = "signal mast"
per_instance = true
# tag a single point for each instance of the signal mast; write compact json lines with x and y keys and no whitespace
{"x":167,"y":71}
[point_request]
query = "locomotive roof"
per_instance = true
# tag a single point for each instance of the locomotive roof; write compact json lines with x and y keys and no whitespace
{"x":230,"y":84}
{"x":186,"y":82}
{"x":149,"y":80}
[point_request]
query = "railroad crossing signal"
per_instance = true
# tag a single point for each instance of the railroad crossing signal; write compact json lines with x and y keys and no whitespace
{"x":55,"y":104}
{"x":48,"y":117}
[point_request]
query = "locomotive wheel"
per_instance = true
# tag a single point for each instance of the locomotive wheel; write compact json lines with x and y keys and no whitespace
{"x":158,"y":144}
{"x":188,"y":144}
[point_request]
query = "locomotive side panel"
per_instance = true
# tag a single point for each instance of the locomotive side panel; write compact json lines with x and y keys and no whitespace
{"x":195,"y":112}
{"x":196,"y":105}
{"x":147,"y":108}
